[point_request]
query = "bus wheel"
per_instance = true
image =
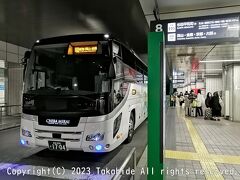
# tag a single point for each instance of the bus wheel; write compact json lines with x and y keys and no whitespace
{"x":131,"y":129}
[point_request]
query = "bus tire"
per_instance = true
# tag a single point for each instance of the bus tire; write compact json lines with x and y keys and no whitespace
{"x":131,"y":128}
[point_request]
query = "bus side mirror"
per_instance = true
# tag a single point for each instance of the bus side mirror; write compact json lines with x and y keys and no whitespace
{"x":27,"y":54}
{"x":24,"y":60}
{"x":26,"y":57}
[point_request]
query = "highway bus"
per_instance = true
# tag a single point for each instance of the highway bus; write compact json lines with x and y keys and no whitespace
{"x":82,"y":92}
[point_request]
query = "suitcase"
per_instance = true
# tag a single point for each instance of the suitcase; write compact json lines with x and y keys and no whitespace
{"x":208,"y":113}
{"x":193,"y":112}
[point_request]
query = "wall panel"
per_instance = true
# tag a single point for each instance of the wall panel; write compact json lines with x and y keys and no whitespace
{"x":214,"y":84}
{"x":236,"y":93}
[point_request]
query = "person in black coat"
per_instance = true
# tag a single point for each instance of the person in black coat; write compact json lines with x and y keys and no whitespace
{"x":215,"y":106}
{"x":208,"y":99}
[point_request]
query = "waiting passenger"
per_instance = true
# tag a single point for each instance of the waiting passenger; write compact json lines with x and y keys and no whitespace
{"x":208,"y":110}
{"x":200,"y":102}
{"x":221,"y":104}
{"x":208,"y":99}
{"x":187,"y":105}
{"x":191,"y":96}
{"x":215,"y":106}
{"x":173,"y":100}
{"x":181,"y":99}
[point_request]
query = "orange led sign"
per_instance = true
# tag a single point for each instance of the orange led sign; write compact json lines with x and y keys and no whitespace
{"x":82,"y":48}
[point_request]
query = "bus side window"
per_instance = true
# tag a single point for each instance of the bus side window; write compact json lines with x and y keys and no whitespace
{"x":101,"y":83}
{"x":118,"y":65}
{"x":118,"y":95}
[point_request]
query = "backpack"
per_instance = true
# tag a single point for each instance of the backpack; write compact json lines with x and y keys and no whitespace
{"x":194,"y":103}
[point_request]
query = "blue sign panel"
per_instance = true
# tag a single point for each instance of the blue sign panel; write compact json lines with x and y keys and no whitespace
{"x":2,"y":87}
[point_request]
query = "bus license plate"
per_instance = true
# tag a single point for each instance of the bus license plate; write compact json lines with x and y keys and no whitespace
{"x":57,"y":145}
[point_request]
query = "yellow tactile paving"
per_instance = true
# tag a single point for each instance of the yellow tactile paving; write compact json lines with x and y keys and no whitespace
{"x":207,"y":160}
{"x":182,"y":155}
{"x":196,"y":139}
{"x":225,"y":159}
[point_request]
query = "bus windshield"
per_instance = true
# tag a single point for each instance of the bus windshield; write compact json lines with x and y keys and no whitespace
{"x":50,"y":69}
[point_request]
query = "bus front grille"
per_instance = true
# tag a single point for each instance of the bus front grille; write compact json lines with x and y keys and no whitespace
{"x":66,"y":136}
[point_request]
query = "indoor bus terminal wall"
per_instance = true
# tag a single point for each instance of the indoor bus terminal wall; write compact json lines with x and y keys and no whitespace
{"x":12,"y":74}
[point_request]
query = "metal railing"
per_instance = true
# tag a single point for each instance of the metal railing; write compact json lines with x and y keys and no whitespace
{"x":8,"y":110}
{"x":118,"y":175}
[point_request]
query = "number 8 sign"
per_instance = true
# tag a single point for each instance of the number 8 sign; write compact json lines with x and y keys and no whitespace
{"x":158,"y":28}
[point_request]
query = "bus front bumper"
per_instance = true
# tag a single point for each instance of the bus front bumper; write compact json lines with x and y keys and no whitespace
{"x":33,"y":135}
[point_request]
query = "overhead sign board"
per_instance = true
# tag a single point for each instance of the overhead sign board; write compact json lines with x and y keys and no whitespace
{"x":205,"y":29}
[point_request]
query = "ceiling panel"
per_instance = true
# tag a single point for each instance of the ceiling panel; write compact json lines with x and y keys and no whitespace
{"x":24,"y":21}
{"x":173,"y":9}
{"x":182,"y":5}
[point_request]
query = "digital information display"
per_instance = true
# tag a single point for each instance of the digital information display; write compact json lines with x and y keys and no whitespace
{"x":199,"y":29}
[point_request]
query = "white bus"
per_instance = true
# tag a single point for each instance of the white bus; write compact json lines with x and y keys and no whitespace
{"x":82,"y":92}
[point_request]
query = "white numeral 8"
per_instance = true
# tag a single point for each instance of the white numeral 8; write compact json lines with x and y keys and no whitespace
{"x":158,"y":28}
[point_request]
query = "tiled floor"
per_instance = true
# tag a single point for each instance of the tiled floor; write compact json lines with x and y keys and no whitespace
{"x":229,"y":171}
{"x":182,"y":169}
{"x":215,"y":138}
{"x":183,"y":139}
{"x":219,"y":137}
{"x":177,"y":136}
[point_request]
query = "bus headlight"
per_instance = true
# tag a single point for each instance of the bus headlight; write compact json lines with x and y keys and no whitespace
{"x":26,"y":133}
{"x":95,"y":137}
{"x":116,"y":124}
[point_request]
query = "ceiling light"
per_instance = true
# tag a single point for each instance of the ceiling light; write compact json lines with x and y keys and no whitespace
{"x":203,"y":70}
{"x":213,"y":69}
{"x":212,"y":74}
{"x":219,"y":61}
{"x":106,"y":36}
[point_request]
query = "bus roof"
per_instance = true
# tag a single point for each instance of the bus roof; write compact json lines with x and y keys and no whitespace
{"x":82,"y":37}
{"x":72,"y":38}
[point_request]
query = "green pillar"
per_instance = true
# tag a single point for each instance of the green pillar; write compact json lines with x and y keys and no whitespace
{"x":155,"y":104}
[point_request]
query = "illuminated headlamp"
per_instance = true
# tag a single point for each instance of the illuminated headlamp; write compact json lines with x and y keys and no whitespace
{"x":95,"y":137}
